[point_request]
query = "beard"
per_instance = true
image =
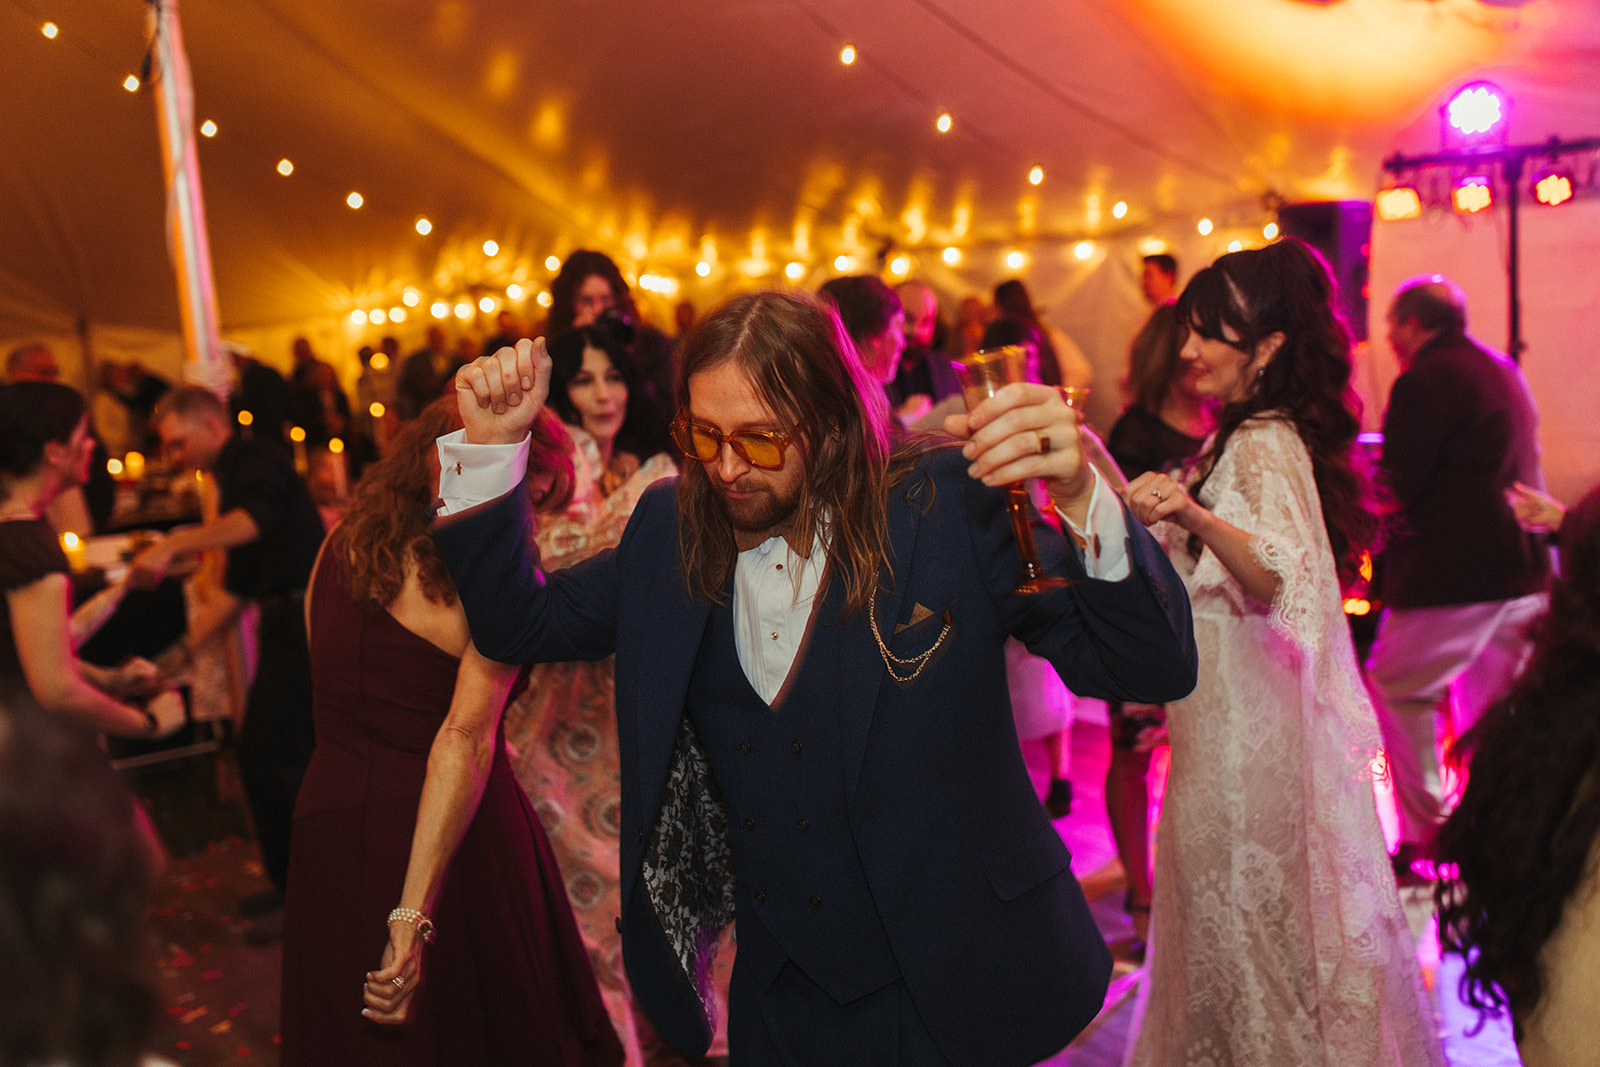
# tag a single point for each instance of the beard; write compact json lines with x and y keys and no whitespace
{"x":762,"y":510}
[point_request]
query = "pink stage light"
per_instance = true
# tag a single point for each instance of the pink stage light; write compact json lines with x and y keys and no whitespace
{"x":1478,"y":108}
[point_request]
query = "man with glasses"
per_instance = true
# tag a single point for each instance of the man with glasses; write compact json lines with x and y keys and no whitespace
{"x":811,"y":690}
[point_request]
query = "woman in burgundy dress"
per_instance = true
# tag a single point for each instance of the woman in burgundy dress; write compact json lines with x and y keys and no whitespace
{"x":417,"y":864}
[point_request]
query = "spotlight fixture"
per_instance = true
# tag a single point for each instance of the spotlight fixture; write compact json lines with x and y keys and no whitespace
{"x":1398,"y":202}
{"x":944,"y":123}
{"x":1552,"y":185}
{"x":847,"y":55}
{"x":1472,"y":194}
{"x":1476,"y":114}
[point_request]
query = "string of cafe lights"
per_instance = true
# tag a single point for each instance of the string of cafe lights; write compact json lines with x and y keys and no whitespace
{"x":475,"y":298}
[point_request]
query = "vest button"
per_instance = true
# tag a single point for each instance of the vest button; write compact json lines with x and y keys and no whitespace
{"x":744,"y":748}
{"x":761,"y":898}
{"x":804,"y":824}
{"x":816,"y":902}
{"x":796,"y":747}
{"x":749,"y":823}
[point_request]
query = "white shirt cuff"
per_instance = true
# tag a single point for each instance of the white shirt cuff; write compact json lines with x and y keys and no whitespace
{"x":1105,"y":551}
{"x":469,"y":475}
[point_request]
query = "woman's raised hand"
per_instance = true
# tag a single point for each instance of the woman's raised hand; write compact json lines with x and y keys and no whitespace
{"x":500,"y":395}
{"x":1154,"y":497}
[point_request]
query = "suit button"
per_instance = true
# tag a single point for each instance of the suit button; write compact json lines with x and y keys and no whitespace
{"x":796,"y":747}
{"x":749,"y":823}
{"x":804,"y":824}
{"x":761,"y":898}
{"x":744,"y":748}
{"x":619,"y":924}
{"x":816,"y":902}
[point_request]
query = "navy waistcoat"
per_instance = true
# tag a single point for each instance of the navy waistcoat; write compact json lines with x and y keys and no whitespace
{"x":802,"y":893}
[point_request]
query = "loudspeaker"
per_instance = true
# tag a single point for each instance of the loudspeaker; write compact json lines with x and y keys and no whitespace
{"x":1342,"y":231}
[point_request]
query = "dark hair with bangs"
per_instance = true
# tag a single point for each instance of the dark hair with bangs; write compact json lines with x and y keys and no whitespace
{"x":1287,"y":288}
{"x":576,"y":269}
{"x":33,"y":414}
{"x":803,"y":366}
{"x":388,"y":522}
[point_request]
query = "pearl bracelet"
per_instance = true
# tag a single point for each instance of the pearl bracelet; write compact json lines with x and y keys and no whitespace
{"x":415,"y":918}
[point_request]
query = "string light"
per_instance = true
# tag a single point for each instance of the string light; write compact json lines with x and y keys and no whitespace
{"x":208,"y":128}
{"x":487,"y":305}
{"x":552,"y":262}
{"x":397,"y":315}
{"x":793,"y":271}
{"x":1016,"y":260}
{"x":1270,"y":231}
{"x":1083,"y":249}
{"x":843,"y":263}
{"x":1234,"y":246}
{"x":335,"y":445}
{"x":246,"y":418}
{"x":1036,"y":175}
{"x":847,"y":56}
{"x":514,"y":291}
{"x":297,"y":434}
{"x":544,"y":299}
{"x":113,"y":465}
{"x":1119,"y":209}
{"x":410,"y":298}
{"x":491,"y":249}
{"x":131,"y":83}
{"x":951,"y":256}
{"x":1204,"y":227}
{"x":424,"y":227}
{"x":703,"y":269}
{"x":944,"y":123}
{"x":464,"y":310}
{"x":285,"y":168}
{"x":358,"y":317}
{"x":899,"y":265}
{"x":355,"y":201}
{"x":439,"y":309}
{"x":377,"y":317}
{"x":51,"y":30}
{"x":380,"y":363}
{"x":376,"y":408}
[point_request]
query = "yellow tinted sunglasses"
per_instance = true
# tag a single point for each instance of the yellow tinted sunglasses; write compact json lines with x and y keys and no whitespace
{"x":759,"y":448}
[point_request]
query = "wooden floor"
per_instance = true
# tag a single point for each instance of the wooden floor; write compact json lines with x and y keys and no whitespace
{"x":220,"y":995}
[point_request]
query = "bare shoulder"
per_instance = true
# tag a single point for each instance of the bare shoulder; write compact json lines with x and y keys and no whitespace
{"x":442,"y":625}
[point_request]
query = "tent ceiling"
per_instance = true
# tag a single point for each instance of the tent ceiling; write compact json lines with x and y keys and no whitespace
{"x":719,"y":129}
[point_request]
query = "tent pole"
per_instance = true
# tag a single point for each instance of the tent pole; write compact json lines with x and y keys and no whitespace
{"x":187,"y":242}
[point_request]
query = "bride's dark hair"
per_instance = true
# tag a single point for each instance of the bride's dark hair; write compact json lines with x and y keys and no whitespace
{"x":1521,"y":838}
{"x":1286,"y":287}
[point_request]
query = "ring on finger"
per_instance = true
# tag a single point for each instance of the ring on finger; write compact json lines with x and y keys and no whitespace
{"x":398,"y":982}
{"x":1044,"y":444}
{"x":1157,"y":493}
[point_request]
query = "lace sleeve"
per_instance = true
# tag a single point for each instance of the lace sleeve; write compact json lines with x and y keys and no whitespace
{"x":1264,"y":486}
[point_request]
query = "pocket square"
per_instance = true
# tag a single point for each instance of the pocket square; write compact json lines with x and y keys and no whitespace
{"x":918,"y":613}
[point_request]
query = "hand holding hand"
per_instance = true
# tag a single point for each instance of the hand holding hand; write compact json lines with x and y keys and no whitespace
{"x":500,"y":395}
{"x":1155,"y":497}
{"x":388,"y":990}
{"x":149,"y":567}
{"x":1026,"y":430}
{"x":136,"y":677}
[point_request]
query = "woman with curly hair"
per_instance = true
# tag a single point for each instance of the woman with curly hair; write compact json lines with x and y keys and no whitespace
{"x":410,"y":828}
{"x":1277,"y":933}
{"x":1522,"y":908}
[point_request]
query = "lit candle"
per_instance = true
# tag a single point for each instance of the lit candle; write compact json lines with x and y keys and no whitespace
{"x":133,"y":466}
{"x":77,"y":553}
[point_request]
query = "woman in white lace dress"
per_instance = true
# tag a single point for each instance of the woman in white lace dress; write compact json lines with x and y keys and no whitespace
{"x":1278,"y":935}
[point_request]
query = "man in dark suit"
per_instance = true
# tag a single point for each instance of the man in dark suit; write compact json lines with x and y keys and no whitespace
{"x":811,"y":690}
{"x":1462,"y":580}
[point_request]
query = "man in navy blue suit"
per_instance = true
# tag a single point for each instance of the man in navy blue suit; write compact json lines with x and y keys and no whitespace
{"x":811,"y":692}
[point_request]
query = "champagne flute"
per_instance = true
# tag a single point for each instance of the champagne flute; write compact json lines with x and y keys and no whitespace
{"x":982,"y":374}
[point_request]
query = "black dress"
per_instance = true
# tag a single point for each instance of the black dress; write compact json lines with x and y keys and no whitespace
{"x":28,"y":552}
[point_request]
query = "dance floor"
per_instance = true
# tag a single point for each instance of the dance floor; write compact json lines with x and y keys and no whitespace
{"x":220,"y":994}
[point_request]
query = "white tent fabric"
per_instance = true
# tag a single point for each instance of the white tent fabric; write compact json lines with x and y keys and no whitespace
{"x":720,"y":131}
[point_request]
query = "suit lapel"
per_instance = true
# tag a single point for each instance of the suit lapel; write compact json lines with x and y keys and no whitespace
{"x":861,"y":663}
{"x":662,"y":683}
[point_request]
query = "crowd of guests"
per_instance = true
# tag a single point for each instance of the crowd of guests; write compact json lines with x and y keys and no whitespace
{"x":399,"y":774}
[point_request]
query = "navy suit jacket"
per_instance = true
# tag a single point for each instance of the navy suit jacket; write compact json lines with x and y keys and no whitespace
{"x":988,"y":926}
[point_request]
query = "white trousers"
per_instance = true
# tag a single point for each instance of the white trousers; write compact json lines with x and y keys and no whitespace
{"x":1470,"y":651}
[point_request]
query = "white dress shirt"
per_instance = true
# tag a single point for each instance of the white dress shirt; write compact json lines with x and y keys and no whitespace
{"x":774,"y":588}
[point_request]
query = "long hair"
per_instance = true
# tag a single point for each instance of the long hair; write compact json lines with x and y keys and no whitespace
{"x":387,"y":525}
{"x":75,"y":880}
{"x":1155,"y":361}
{"x":33,"y":414}
{"x":1012,"y":298}
{"x":575,"y":270}
{"x":1521,"y":838}
{"x":798,"y":357}
{"x":1287,"y":287}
